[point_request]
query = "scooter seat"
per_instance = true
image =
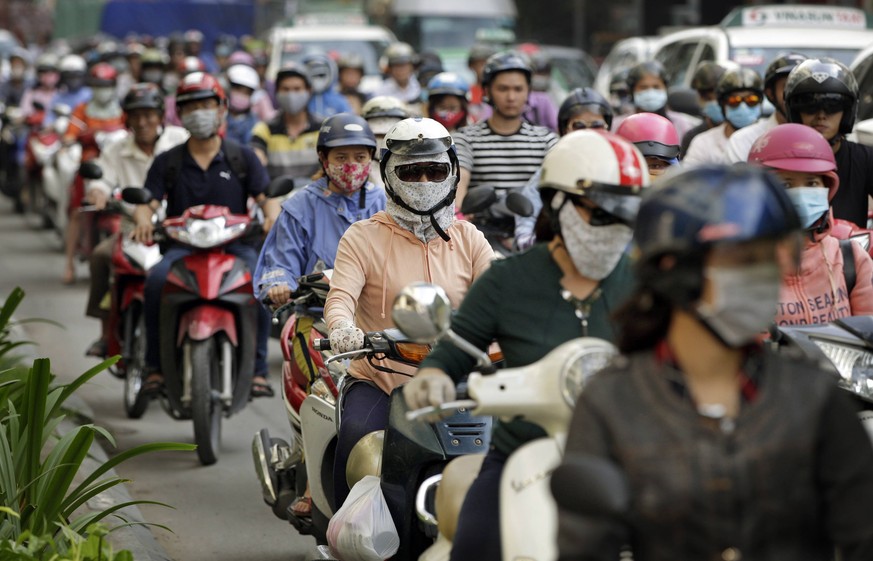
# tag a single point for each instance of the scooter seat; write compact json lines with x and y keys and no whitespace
{"x":458,"y":475}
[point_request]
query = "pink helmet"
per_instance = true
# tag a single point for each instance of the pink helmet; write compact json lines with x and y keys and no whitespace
{"x":241,"y":57}
{"x":796,"y":147}
{"x":653,"y":134}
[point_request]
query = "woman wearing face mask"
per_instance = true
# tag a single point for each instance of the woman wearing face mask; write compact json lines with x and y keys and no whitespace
{"x":729,"y":450}
{"x":565,"y":286}
{"x":447,"y":95}
{"x":241,"y":119}
{"x":740,"y":94}
{"x":817,"y":291}
{"x":286,"y":143}
{"x":416,"y":239}
{"x":46,"y":86}
{"x":647,"y":83}
{"x":312,"y":222}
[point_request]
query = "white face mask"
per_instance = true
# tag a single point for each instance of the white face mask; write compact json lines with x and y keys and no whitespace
{"x":745,"y":301}
{"x":292,"y":102}
{"x":594,"y":250}
{"x":103,"y":96}
{"x":420,"y":196}
{"x":201,"y":123}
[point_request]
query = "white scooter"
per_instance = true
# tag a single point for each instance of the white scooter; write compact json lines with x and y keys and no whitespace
{"x":543,"y":393}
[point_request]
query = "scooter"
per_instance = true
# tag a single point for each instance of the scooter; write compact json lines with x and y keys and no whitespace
{"x":11,"y":129}
{"x":58,"y":173}
{"x":208,"y":320}
{"x":543,"y":393}
{"x":40,"y":149}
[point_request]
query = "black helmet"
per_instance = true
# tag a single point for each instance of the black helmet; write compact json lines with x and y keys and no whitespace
{"x":505,"y":61}
{"x":738,"y":79}
{"x":345,"y":129}
{"x":585,"y":98}
{"x":145,"y":95}
{"x":781,"y":67}
{"x":293,"y":69}
{"x":649,"y":68}
{"x":618,"y":81}
{"x":707,"y":75}
{"x":818,"y":83}
{"x":695,"y":209}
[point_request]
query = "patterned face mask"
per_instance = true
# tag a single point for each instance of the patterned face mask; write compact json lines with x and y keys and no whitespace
{"x":349,"y":176}
{"x":594,"y":250}
{"x":427,"y":198}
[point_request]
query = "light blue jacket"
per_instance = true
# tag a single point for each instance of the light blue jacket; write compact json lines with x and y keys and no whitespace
{"x":306,"y":234}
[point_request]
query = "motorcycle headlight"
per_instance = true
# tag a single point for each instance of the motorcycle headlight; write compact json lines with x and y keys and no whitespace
{"x":206,"y":233}
{"x":855,"y":365}
{"x":320,"y":389}
{"x":580,"y":366}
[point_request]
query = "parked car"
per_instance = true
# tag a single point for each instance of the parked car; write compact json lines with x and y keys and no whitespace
{"x":571,"y":67}
{"x":368,"y":41}
{"x":753,"y":36}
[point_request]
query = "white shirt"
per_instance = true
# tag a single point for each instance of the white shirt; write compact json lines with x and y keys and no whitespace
{"x":741,"y":141}
{"x":707,"y":147}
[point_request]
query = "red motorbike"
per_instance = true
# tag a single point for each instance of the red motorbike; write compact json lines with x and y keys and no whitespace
{"x":40,"y":149}
{"x":208,"y":320}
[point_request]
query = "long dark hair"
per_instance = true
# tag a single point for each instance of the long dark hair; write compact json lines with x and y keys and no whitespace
{"x":642,"y":321}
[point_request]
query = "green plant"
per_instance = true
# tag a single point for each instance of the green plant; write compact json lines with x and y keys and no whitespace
{"x":45,"y":548}
{"x":38,"y":495}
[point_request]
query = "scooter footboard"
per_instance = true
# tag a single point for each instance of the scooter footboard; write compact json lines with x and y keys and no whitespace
{"x":524,"y":488}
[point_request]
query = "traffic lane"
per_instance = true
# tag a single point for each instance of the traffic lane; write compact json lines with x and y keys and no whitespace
{"x":208,"y":500}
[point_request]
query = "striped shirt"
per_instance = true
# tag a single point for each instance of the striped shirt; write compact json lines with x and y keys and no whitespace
{"x":285,"y":155}
{"x":504,"y":161}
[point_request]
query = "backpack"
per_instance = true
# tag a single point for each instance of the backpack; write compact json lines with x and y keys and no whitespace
{"x":232,"y":151}
{"x":848,"y":264}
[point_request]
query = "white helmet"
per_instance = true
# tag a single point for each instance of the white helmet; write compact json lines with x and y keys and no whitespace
{"x":72,"y":63}
{"x":416,"y":147}
{"x":243,"y":75}
{"x":600,"y":166}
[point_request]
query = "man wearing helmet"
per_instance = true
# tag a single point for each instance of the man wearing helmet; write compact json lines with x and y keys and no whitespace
{"x":401,"y":82}
{"x":647,"y":83}
{"x":416,"y":238}
{"x":740,"y":94}
{"x":351,"y":71}
{"x":308,"y":230}
{"x":504,"y":150}
{"x":72,"y":91}
{"x":656,"y":138}
{"x":823,"y":94}
{"x":705,"y":78}
{"x":325,"y":100}
{"x":241,"y":119}
{"x":729,"y":450}
{"x":286,"y":144}
{"x":835,"y":277}
{"x":125,"y":164}
{"x":774,"y":88}
{"x":204,"y":170}
{"x":566,"y":285}
{"x":382,"y":113}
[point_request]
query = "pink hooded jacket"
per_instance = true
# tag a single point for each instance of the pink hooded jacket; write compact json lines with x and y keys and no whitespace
{"x":376,"y":258}
{"x":817,"y":293}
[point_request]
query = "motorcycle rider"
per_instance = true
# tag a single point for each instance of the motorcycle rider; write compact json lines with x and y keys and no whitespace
{"x":504,"y":150}
{"x":479,"y":54}
{"x":818,"y":291}
{"x":775,"y":78}
{"x":647,"y":83}
{"x":125,"y":164}
{"x":447,"y":95}
{"x":46,"y":86}
{"x":382,"y":112}
{"x":583,"y":108}
{"x":102,"y":113}
{"x":401,"y":82}
{"x":206,"y":174}
{"x":308,"y":230}
{"x":241,"y":119}
{"x":325,"y":101}
{"x":657,"y":139}
{"x":698,"y":413}
{"x":350,"y":68}
{"x":286,"y":144}
{"x":416,"y":238}
{"x":740,"y":94}
{"x":153,"y":66}
{"x":823,"y":94}
{"x":704,"y":80}
{"x":72,"y":91}
{"x":565,"y":286}
{"x":541,"y":109}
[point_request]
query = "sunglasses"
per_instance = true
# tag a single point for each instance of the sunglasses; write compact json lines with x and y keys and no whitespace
{"x":813,"y":103}
{"x":599,"y":217}
{"x":750,"y":99}
{"x":581,"y":125}
{"x":411,"y":173}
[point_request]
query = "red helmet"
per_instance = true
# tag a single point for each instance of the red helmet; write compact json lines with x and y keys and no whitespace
{"x":795,"y":147}
{"x":199,"y":85}
{"x":653,"y":134}
{"x":102,"y":75}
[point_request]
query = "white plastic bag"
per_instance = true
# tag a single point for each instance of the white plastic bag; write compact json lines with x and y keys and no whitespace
{"x":362,"y":529}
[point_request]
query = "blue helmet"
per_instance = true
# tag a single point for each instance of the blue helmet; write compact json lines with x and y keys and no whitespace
{"x":448,"y":83}
{"x":693,"y":210}
{"x":345,"y":129}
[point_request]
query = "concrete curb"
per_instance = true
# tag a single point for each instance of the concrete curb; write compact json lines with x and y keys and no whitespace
{"x":136,"y":538}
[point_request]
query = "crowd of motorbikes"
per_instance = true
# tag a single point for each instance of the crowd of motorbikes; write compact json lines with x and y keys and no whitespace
{"x":208,"y":319}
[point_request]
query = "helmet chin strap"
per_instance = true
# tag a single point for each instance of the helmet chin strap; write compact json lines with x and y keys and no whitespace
{"x":446,"y":201}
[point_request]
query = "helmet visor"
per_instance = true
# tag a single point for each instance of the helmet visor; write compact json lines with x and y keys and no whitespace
{"x":419,"y":146}
{"x":830,"y":103}
{"x":621,"y":202}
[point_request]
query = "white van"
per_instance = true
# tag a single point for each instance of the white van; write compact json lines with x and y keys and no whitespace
{"x":755,"y":35}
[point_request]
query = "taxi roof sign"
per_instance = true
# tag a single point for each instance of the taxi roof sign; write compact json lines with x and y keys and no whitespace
{"x":796,"y":15}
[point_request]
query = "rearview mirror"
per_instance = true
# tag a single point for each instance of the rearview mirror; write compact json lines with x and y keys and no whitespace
{"x":280,"y":186}
{"x":591,"y":486}
{"x":90,"y":170}
{"x":136,"y":195}
{"x":422,"y":311}
{"x":478,"y":199}
{"x":519,"y":205}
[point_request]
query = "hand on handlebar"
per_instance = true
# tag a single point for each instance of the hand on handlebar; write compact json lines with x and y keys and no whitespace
{"x":97,"y":197}
{"x":430,"y":387}
{"x":279,"y":294}
{"x":345,"y":337}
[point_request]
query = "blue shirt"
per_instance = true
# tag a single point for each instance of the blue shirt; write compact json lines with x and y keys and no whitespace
{"x":217,"y":185}
{"x":239,"y":127}
{"x":308,"y":231}
{"x":68,"y":98}
{"x":327,"y":104}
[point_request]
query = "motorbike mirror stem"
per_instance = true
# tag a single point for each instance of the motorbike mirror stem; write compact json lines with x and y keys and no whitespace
{"x":483,"y":361}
